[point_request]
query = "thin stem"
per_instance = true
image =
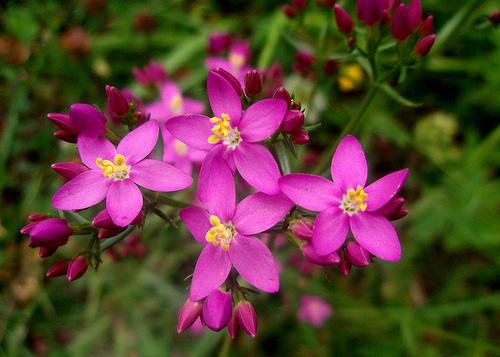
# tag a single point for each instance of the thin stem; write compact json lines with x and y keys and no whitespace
{"x":108,"y":243}
{"x":164,"y":200}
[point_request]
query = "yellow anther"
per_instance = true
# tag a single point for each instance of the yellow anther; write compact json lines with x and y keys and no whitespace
{"x":220,"y":234}
{"x":117,"y":170}
{"x":180,"y":147}
{"x":351,"y":78}
{"x":221,"y":129}
{"x":358,"y":196}
{"x":176,"y":104}
{"x":214,"y":220}
{"x":237,"y":60}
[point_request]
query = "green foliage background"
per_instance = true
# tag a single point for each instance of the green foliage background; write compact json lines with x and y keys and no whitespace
{"x":442,"y":298}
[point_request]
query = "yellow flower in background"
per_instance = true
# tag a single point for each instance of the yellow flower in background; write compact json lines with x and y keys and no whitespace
{"x":351,"y":78}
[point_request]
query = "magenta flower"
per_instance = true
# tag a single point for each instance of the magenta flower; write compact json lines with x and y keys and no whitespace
{"x":346,"y":202}
{"x":114,"y":173}
{"x":237,"y":62}
{"x":314,"y":310}
{"x":227,"y":231}
{"x":173,"y":103}
{"x":234,"y":135}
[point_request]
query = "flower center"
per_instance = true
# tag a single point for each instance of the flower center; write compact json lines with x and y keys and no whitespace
{"x":223,"y":131}
{"x":117,"y":170}
{"x":180,"y":147}
{"x":236,"y":60}
{"x":176,"y":104}
{"x":354,"y":201}
{"x":221,"y":233}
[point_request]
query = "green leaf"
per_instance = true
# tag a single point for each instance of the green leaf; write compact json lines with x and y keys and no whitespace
{"x":393,"y":94}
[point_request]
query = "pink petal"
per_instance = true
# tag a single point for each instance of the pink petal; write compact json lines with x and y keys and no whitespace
{"x":123,"y":202}
{"x":158,"y":111}
{"x":197,"y":221}
{"x":255,"y":263}
{"x":330,"y":231}
{"x":259,"y":212}
{"x":168,"y":91}
{"x":159,"y":176}
{"x":377,"y":235}
{"x":311,"y":192}
{"x":262,"y":119}
{"x":221,"y":193}
{"x":192,"y":130}
{"x":92,"y":148}
{"x":349,"y":167}
{"x":85,"y":190}
{"x":193,"y":106}
{"x":210,"y":272}
{"x":217,"y":62}
{"x":383,"y":190}
{"x":257,"y":166}
{"x":223,"y":98}
{"x":137,"y":144}
{"x":217,"y":151}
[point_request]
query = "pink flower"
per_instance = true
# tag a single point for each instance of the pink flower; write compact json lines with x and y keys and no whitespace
{"x":346,"y":203}
{"x":114,"y":173}
{"x":236,"y":64}
{"x":227,"y":231}
{"x":234,"y":135}
{"x":173,"y":103}
{"x":314,"y":310}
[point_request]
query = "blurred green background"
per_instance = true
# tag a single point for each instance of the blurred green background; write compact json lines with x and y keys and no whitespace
{"x":441,"y":299}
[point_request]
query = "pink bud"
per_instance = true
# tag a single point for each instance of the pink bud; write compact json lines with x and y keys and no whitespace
{"x":109,"y":232}
{"x":282,"y":93}
{"x":300,"y":137}
{"x":300,"y":5}
{"x":217,"y":310}
{"x":415,"y":13}
{"x":343,"y":19}
{"x":370,"y":11}
{"x":289,"y":11}
{"x":357,"y":255}
{"x":188,"y":314}
{"x":494,"y":17}
{"x":293,"y":121}
{"x":68,"y":170}
{"x":232,"y":326}
{"x":424,"y":45}
{"x":52,"y":232}
{"x":393,"y":209}
{"x":36,"y":217}
{"x":230,"y":78}
{"x":253,"y":83}
{"x":65,"y":136}
{"x":58,"y":269}
{"x":344,"y":266}
{"x":313,"y":257}
{"x":325,"y":3}
{"x":63,"y":122}
{"x":26,"y":230}
{"x":87,"y":119}
{"x":76,"y":268}
{"x":303,"y":229}
{"x":103,"y":220}
{"x":218,"y":42}
{"x":117,"y":103}
{"x":45,"y":252}
{"x":156,"y":72}
{"x":401,"y":28}
{"x":247,"y":318}
{"x":427,"y":26}
{"x":391,"y":5}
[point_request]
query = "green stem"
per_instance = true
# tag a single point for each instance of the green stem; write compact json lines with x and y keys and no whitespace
{"x":352,"y":126}
{"x":108,"y":243}
{"x":164,"y":200}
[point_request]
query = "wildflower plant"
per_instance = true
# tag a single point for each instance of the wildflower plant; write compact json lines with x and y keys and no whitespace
{"x":240,"y":149}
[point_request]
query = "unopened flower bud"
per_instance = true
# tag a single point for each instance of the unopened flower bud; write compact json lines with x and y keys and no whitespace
{"x":247,"y":318}
{"x":58,"y":269}
{"x":253,"y":83}
{"x":325,"y":3}
{"x":289,"y":11}
{"x":68,"y":170}
{"x":303,"y":229}
{"x":218,"y":42}
{"x":65,"y":136}
{"x":51,"y":232}
{"x":344,"y":266}
{"x":300,"y":5}
{"x":282,"y":93}
{"x":63,"y":122}
{"x":45,"y":252}
{"x":343,"y":19}
{"x":415,"y":13}
{"x":313,"y":257}
{"x":188,"y":314}
{"x":76,"y":268}
{"x":400,"y":27}
{"x":424,"y":46}
{"x":117,"y":103}
{"x":357,"y":255}
{"x":494,"y":17}
{"x":232,"y":326}
{"x":36,"y":217}
{"x":104,"y":233}
{"x":230,"y":78}
{"x":300,"y":137}
{"x":427,"y":26}
{"x":87,"y":119}
{"x":217,"y":310}
{"x":393,"y":210}
{"x":370,"y":11}
{"x":293,"y":121}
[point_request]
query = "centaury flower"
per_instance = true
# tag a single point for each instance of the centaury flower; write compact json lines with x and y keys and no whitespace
{"x":236,"y":63}
{"x":114,"y":173}
{"x":346,"y":202}
{"x":234,"y":135}
{"x":227,"y":231}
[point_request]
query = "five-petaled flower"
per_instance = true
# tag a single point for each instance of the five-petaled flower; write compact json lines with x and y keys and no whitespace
{"x":234,"y":135}
{"x":346,"y":202}
{"x":114,"y":173}
{"x":227,"y":231}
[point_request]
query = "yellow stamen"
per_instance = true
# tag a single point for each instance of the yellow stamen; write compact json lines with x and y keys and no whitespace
{"x":180,"y":147}
{"x":358,"y":197}
{"x":220,"y":233}
{"x":221,"y":129}
{"x":117,"y":170}
{"x":176,"y":104}
{"x":351,"y":78}
{"x":237,"y":60}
